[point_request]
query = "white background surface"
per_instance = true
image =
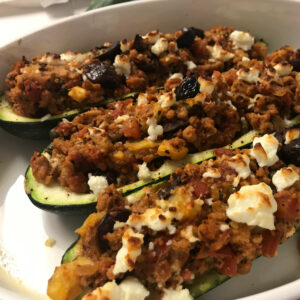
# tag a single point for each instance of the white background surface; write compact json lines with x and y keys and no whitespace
{"x":24,"y":228}
{"x":16,"y":21}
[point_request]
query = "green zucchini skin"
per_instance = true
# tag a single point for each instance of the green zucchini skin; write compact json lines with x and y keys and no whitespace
{"x":72,"y":252}
{"x":37,"y":128}
{"x":32,"y":130}
{"x":55,"y":199}
{"x":57,"y":202}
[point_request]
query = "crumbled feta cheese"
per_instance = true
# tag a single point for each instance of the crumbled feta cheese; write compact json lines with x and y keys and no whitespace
{"x":169,"y":243}
{"x":178,"y":294}
{"x":142,"y":99}
{"x":124,"y":45}
{"x":119,"y":224}
{"x":160,"y":46}
{"x":187,"y":233}
{"x":240,"y":163}
{"x":252,"y":101}
{"x":109,"y":290}
{"x":137,"y":196}
{"x":253,"y":205}
{"x":97,"y":183}
{"x":212,"y":173}
{"x":131,"y":249}
{"x":236,"y":181}
{"x":130,"y":288}
{"x":122,"y":65}
{"x":218,"y":53}
{"x":209,"y":201}
{"x":51,"y":59}
{"x":292,"y":134}
{"x":144,"y":173}
{"x":190,"y":65}
{"x":167,"y":100}
{"x":249,"y":75}
{"x":242,"y":40}
{"x":176,"y":76}
{"x":224,"y":227}
{"x":284,"y":178}
{"x":245,"y":58}
{"x":152,"y":36}
{"x":230,"y":104}
{"x":151,"y":246}
{"x":68,"y":56}
{"x":206,"y":86}
{"x":154,"y":130}
{"x":121,"y":119}
{"x":153,"y":218}
{"x":265,"y":150}
{"x":283,"y":69}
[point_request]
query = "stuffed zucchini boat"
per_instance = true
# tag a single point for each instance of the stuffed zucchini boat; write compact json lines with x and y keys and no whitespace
{"x":128,"y":140}
{"x":56,"y":85}
{"x":182,"y":237}
{"x":56,"y":199}
{"x":39,"y":128}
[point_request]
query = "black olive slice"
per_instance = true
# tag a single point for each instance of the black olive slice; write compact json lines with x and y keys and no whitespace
{"x":188,"y":88}
{"x":175,"y":125}
{"x":107,"y":225}
{"x":187,"y":38}
{"x":296,"y":64}
{"x":138,"y":43}
{"x":111,"y":53}
{"x":103,"y":74}
{"x":290,"y":153}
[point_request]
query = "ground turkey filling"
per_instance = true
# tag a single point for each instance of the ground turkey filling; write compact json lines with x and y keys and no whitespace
{"x":217,"y":215}
{"x":55,"y":83}
{"x":130,"y":138}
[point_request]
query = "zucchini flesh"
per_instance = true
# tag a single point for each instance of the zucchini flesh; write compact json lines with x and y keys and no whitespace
{"x":56,"y":199}
{"x":38,"y":128}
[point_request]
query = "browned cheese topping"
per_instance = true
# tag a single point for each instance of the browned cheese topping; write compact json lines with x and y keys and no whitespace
{"x":55,"y":83}
{"x":218,"y":215}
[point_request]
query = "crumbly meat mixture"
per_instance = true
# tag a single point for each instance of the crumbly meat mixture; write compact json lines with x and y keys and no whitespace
{"x":217,"y":215}
{"x":54,"y":83}
{"x":128,"y":139}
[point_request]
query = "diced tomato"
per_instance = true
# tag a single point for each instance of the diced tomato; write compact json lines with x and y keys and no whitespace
{"x":33,"y":90}
{"x":82,"y":132}
{"x":131,"y":128}
{"x":186,"y":274}
{"x":64,"y":128}
{"x":229,"y":261}
{"x":200,"y":189}
{"x":288,"y":206}
{"x":270,"y":243}
{"x":223,"y":151}
{"x":119,"y":108}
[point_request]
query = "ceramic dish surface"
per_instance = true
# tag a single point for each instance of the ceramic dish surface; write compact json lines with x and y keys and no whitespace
{"x":26,"y":263}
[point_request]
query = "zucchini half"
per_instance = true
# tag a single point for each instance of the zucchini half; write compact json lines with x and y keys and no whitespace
{"x":199,"y":286}
{"x":56,"y":199}
{"x":38,"y":128}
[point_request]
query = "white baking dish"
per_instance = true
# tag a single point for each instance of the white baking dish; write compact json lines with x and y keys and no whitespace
{"x":24,"y":228}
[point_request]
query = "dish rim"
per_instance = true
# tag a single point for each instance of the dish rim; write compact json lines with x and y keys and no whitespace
{"x":289,"y":287}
